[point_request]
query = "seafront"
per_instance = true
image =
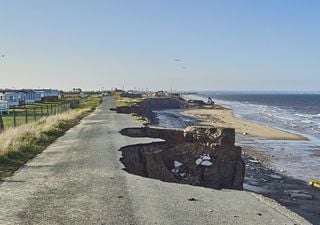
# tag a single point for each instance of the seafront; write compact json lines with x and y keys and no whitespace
{"x":80,"y":180}
{"x":261,"y":174}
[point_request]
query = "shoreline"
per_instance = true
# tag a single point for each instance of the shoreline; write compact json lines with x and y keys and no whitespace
{"x":224,"y":117}
{"x":295,"y":194}
{"x":260,"y":176}
{"x":263,"y":178}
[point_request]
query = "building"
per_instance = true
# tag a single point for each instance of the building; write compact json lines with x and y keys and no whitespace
{"x":15,"y":98}
{"x":47,"y":95}
{"x":4,"y":107}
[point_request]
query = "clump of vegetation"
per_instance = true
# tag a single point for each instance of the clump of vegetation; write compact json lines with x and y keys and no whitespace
{"x":18,"y":145}
{"x":124,"y":101}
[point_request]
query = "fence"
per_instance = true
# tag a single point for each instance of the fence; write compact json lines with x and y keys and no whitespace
{"x":18,"y":116}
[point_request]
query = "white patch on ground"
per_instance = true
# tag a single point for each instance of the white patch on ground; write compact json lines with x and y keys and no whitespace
{"x":198,"y":161}
{"x":177,"y":164}
{"x":206,"y":163}
{"x":204,"y":160}
{"x":275,"y":176}
{"x":175,"y":170}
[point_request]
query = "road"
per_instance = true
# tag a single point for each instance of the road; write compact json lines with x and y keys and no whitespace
{"x":79,"y":180}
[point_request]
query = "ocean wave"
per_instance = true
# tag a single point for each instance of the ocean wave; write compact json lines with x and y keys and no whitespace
{"x":309,"y":116}
{"x":306,"y":121}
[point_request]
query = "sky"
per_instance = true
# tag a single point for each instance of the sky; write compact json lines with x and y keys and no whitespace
{"x":238,"y":45}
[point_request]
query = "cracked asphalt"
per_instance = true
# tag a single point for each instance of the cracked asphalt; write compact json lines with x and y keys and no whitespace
{"x":79,"y":180}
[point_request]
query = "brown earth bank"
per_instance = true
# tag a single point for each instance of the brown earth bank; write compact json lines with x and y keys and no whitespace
{"x":145,"y":108}
{"x":202,"y":156}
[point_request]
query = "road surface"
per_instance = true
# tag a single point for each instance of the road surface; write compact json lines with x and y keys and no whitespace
{"x":79,"y":180}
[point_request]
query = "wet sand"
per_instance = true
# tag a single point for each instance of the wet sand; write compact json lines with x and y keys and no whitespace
{"x":226,"y":118}
{"x":261,"y":178}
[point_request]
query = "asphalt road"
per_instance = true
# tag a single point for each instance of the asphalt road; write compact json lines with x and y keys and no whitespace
{"x":79,"y":180}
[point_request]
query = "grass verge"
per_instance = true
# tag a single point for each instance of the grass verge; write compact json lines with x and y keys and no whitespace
{"x":20,"y":144}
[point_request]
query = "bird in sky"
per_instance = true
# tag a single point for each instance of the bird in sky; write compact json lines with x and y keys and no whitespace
{"x":177,"y":60}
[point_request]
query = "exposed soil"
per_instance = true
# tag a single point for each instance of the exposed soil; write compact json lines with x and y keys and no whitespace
{"x":197,"y":155}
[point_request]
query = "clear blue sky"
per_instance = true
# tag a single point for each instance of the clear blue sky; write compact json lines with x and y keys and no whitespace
{"x":223,"y":45}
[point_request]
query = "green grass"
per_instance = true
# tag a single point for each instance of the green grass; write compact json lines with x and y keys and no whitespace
{"x":122,"y":101}
{"x":34,"y":111}
{"x":20,"y":144}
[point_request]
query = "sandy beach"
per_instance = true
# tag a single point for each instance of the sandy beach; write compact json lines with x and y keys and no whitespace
{"x":226,"y":118}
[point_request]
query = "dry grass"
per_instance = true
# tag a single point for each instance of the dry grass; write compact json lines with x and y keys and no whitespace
{"x":14,"y":139}
{"x":18,"y":145}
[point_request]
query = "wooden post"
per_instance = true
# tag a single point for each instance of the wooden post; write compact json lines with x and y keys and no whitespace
{"x":34,"y":114}
{"x":51,"y":109}
{"x":14,"y":118}
{"x":41,"y":110}
{"x":26,"y":114}
{"x":47,"y":109}
{"x":1,"y":123}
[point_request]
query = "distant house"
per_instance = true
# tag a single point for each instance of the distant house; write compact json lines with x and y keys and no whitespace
{"x":79,"y":90}
{"x":4,"y":107}
{"x":30,"y":96}
{"x":13,"y":97}
{"x":47,"y":95}
{"x":131,"y":94}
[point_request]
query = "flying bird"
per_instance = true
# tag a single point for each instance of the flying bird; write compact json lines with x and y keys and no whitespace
{"x":177,"y":60}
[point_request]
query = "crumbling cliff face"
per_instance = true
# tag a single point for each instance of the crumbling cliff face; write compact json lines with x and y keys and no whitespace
{"x":202,"y":156}
{"x":146,"y":107}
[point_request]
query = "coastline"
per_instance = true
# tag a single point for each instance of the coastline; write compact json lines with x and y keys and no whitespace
{"x":224,"y":117}
{"x":260,"y":176}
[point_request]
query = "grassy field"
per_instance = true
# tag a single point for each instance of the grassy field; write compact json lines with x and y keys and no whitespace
{"x":19,"y":144}
{"x":123,"y":101}
{"x":34,"y":112}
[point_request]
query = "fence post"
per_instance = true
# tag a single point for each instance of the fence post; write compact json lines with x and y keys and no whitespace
{"x":14,"y":118}
{"x":41,"y":110}
{"x":47,"y":109}
{"x":26,"y":114}
{"x":51,"y":109}
{"x":34,"y":114}
{"x":1,"y":123}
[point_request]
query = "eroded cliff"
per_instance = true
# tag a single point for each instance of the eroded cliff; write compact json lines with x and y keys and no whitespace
{"x":203,"y":156}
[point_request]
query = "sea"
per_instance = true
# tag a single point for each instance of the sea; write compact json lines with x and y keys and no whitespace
{"x":294,"y":112}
